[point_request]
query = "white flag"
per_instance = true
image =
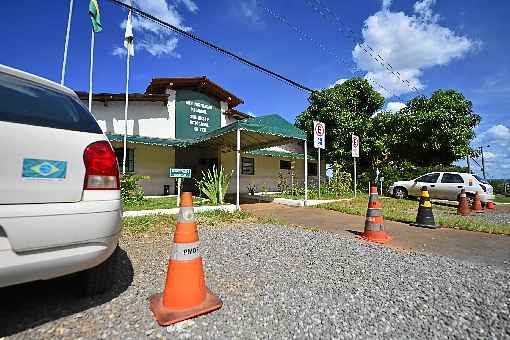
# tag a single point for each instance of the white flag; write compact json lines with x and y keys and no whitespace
{"x":128,"y":37}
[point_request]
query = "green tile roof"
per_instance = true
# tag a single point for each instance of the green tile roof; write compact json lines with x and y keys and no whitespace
{"x":256,"y":133}
{"x":149,"y":140}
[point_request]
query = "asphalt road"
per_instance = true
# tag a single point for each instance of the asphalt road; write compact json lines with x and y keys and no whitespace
{"x":277,"y":282}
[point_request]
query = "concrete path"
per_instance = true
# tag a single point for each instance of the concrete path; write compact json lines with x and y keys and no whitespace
{"x":464,"y":245}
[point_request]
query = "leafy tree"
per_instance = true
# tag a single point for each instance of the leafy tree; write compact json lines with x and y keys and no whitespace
{"x":345,"y":109}
{"x":428,"y":132}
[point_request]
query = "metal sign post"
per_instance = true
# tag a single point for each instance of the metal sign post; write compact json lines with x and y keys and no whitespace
{"x":355,"y":154}
{"x":179,"y":174}
{"x":319,"y":142}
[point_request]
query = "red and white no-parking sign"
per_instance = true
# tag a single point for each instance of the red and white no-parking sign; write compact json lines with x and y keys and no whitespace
{"x":355,"y":146}
{"x":319,"y":135}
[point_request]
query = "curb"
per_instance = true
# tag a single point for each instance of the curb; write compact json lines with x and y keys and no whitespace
{"x":175,"y":211}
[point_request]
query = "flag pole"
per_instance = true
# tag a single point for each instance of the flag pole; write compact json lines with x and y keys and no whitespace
{"x":126,"y":115}
{"x":91,"y":67}
{"x":64,"y":62}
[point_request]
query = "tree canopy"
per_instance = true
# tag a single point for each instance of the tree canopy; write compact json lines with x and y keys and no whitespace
{"x":428,"y":132}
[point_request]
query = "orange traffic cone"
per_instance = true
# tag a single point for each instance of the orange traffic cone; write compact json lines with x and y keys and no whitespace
{"x":374,"y":222}
{"x":490,"y":205}
{"x":477,"y":204}
{"x":463,"y":207}
{"x":185,"y":295}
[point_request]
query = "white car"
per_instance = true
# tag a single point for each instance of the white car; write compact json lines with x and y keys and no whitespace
{"x":60,"y":208}
{"x":444,"y":185}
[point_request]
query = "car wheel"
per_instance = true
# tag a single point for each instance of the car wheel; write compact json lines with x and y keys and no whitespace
{"x":100,"y":278}
{"x":400,"y":192}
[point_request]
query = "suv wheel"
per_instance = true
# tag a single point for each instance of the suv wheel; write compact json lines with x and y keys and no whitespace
{"x":100,"y":278}
{"x":400,"y":192}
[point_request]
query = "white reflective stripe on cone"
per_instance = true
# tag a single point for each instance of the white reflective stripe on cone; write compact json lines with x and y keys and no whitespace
{"x":186,"y":215}
{"x":185,"y":251}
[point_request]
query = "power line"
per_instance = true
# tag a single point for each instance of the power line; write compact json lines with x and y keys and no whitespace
{"x":320,"y":45}
{"x":367,"y":49}
{"x":212,"y":46}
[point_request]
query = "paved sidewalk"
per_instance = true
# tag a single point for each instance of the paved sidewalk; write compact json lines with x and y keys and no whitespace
{"x":463,"y":245}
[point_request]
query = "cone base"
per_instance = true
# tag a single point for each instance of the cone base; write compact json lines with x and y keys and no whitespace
{"x":375,"y":236}
{"x":429,"y":226}
{"x":166,"y":316}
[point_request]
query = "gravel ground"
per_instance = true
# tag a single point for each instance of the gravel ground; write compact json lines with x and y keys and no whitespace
{"x":279,"y":282}
{"x":500,"y":215}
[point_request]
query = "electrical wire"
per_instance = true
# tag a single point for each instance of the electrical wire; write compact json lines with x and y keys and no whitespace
{"x":367,"y":49}
{"x":303,"y":35}
{"x":212,"y":46}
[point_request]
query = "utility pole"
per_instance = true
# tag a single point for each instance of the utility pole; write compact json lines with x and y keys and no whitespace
{"x":483,"y":160}
{"x":468,"y":166}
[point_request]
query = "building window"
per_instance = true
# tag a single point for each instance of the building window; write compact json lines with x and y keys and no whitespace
{"x":247,"y":166}
{"x":130,"y":159}
{"x":285,"y":165}
{"x":312,"y":169}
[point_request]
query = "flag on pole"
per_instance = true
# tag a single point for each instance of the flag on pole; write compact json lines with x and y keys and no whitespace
{"x":95,"y":16}
{"x":128,"y":37}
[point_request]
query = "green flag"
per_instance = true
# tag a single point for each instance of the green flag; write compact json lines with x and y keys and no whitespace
{"x":95,"y":16}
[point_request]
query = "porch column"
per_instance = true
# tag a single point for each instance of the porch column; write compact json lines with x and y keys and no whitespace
{"x":238,"y":161}
{"x":306,"y":174}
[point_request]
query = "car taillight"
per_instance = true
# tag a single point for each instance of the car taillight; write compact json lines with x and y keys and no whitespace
{"x":101,"y":169}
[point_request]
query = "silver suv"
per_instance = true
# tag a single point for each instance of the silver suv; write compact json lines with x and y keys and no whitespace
{"x":60,"y":208}
{"x":444,"y":185}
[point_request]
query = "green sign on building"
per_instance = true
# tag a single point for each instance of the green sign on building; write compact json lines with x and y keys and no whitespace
{"x":179,"y":173}
{"x":195,"y":114}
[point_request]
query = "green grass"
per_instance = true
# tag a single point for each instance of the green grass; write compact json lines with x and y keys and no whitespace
{"x":502,"y":199}
{"x":160,"y":203}
{"x":405,"y":211}
{"x":161,"y":224}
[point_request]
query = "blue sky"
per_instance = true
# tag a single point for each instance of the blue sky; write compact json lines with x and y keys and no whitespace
{"x":458,"y":44}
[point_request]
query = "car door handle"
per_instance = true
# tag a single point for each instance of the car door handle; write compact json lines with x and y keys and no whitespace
{"x":432,"y":185}
{"x":459,"y":186}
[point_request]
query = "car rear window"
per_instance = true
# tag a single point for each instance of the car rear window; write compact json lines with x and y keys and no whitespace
{"x":24,"y":102}
{"x":452,"y":178}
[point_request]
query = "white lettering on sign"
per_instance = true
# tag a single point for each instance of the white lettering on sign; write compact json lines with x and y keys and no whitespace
{"x":199,"y":119}
{"x":185,"y":251}
{"x":319,"y":135}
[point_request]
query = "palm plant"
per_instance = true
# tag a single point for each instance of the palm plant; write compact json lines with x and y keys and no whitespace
{"x":214,"y":184}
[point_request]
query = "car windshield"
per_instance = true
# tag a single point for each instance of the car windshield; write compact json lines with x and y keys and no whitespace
{"x":480,"y":179}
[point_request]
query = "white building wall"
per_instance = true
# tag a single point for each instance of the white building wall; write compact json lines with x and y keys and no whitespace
{"x":150,"y":119}
{"x":153,"y":161}
{"x":267,"y":170}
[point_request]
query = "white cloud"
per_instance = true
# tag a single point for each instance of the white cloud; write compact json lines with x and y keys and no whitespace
{"x":489,"y":155}
{"x":248,"y":9}
{"x":190,"y":5}
{"x":497,"y":134}
{"x":409,"y":43}
{"x":338,"y":82}
{"x":151,"y":37}
{"x":386,"y":4}
{"x":394,"y":106}
{"x":497,"y":155}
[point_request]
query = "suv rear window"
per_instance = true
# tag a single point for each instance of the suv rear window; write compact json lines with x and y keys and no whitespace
{"x":24,"y":102}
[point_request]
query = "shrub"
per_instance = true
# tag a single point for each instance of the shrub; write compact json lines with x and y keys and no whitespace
{"x":130,"y":190}
{"x":341,"y":181}
{"x":214,"y":184}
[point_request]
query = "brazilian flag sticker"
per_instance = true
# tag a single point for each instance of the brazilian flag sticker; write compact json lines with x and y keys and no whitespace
{"x":44,"y":168}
